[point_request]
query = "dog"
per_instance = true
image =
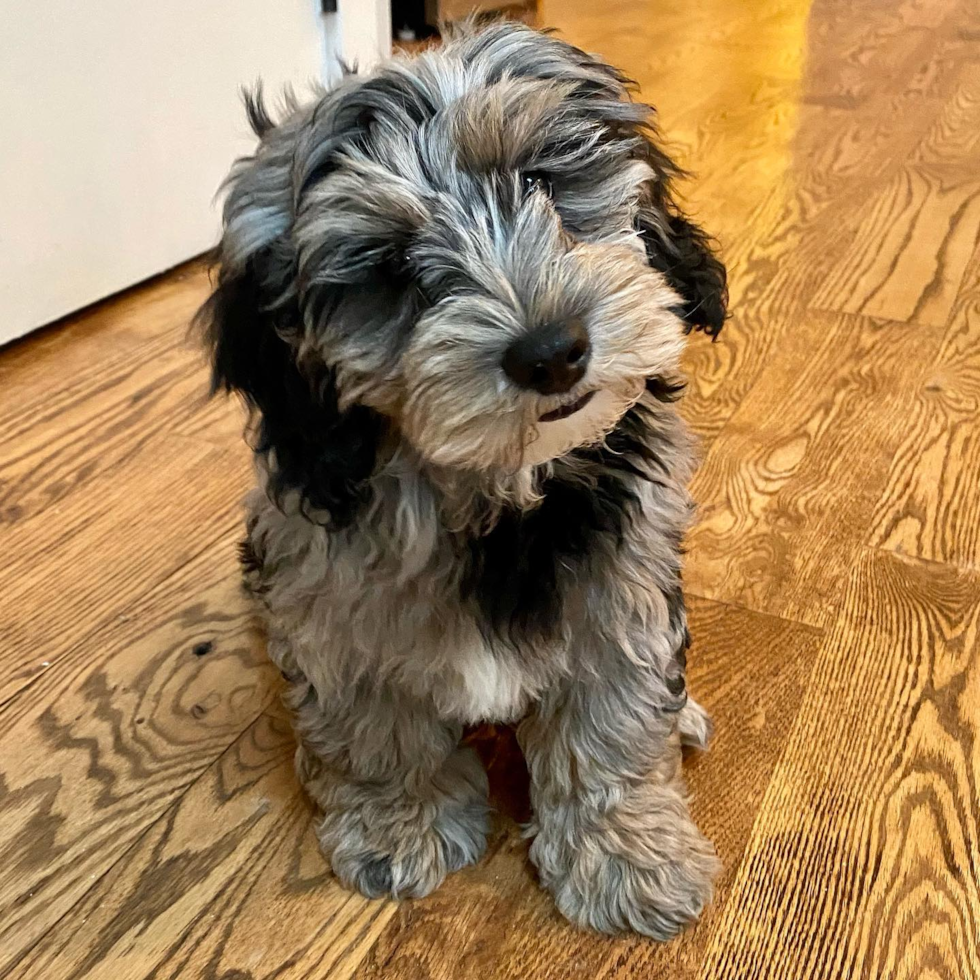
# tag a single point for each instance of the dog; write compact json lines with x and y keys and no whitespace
{"x":454,"y":292}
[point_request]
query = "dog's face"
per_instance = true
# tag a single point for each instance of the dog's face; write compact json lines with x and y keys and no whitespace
{"x":488,"y":277}
{"x":475,"y":249}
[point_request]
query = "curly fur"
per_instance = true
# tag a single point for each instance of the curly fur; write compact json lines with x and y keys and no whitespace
{"x":429,"y":550}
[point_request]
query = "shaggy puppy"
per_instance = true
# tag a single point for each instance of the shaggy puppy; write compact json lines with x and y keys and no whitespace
{"x":454,"y":293}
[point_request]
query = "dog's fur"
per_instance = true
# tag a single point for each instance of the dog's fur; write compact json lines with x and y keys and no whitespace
{"x":428,"y":554}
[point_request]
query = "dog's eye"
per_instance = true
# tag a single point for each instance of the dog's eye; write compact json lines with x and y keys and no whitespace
{"x":534,"y":180}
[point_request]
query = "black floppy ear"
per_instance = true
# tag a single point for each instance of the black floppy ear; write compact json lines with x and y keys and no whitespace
{"x":680,"y":249}
{"x":253,"y":325}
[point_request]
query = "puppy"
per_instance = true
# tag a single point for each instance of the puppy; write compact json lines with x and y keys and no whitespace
{"x":454,"y":293}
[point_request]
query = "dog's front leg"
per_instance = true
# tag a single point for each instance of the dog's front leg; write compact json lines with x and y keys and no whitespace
{"x":403,"y":804}
{"x":613,"y":837}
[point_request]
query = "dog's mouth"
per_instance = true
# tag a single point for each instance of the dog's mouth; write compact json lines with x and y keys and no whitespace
{"x":563,"y":411}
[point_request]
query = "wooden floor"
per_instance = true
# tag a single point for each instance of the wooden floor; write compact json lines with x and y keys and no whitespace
{"x":150,"y":823}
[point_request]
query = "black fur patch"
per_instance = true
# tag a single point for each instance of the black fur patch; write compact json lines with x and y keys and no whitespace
{"x":675,"y":608}
{"x":685,"y":257}
{"x":665,"y":390}
{"x":324,"y":453}
{"x":676,"y":246}
{"x":680,"y":654}
{"x":247,"y":557}
{"x":675,"y":686}
{"x":258,"y":116}
{"x":514,"y":573}
{"x":675,"y":681}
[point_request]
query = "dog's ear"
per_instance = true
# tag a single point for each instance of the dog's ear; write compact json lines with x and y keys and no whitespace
{"x":677,"y":247}
{"x":253,"y":325}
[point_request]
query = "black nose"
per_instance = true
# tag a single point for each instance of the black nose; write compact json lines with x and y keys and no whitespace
{"x":550,"y":359}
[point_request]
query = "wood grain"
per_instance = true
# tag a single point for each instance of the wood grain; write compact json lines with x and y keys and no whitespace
{"x":791,"y":482}
{"x":111,"y":734}
{"x":229,"y":883}
{"x":102,"y":548}
{"x":76,"y":409}
{"x":907,"y":256}
{"x":931,"y":505}
{"x":150,"y":823}
{"x":868,"y":837}
{"x":811,"y":142}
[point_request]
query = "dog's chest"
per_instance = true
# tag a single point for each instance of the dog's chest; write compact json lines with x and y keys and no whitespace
{"x":492,"y":688}
{"x":481,"y":685}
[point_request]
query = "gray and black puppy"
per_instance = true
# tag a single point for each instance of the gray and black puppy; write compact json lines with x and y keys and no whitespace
{"x":454,"y":292}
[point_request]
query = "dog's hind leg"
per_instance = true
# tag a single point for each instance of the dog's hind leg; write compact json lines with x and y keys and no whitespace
{"x":403,"y":804}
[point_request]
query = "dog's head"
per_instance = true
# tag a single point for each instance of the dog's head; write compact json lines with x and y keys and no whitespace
{"x":475,"y":251}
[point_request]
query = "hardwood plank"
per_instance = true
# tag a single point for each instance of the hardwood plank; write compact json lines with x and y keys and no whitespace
{"x":219,"y":421}
{"x":907,"y":258}
{"x":864,"y":859}
{"x":74,"y":566}
{"x":953,"y":142}
{"x":931,"y":505}
{"x":41,"y":365}
{"x":114,"y":732}
{"x":806,"y":155}
{"x":790,"y":484}
{"x":906,"y":255}
{"x":140,"y":375}
{"x":495,"y":922}
{"x":103,"y":419}
{"x":229,"y":883}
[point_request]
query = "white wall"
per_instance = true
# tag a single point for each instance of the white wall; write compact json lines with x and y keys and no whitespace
{"x":121,"y":118}
{"x":363,"y":31}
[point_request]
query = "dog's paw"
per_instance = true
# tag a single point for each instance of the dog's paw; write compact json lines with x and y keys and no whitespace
{"x":612,"y":878}
{"x":612,"y":894}
{"x":413,"y":861}
{"x":404,"y":847}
